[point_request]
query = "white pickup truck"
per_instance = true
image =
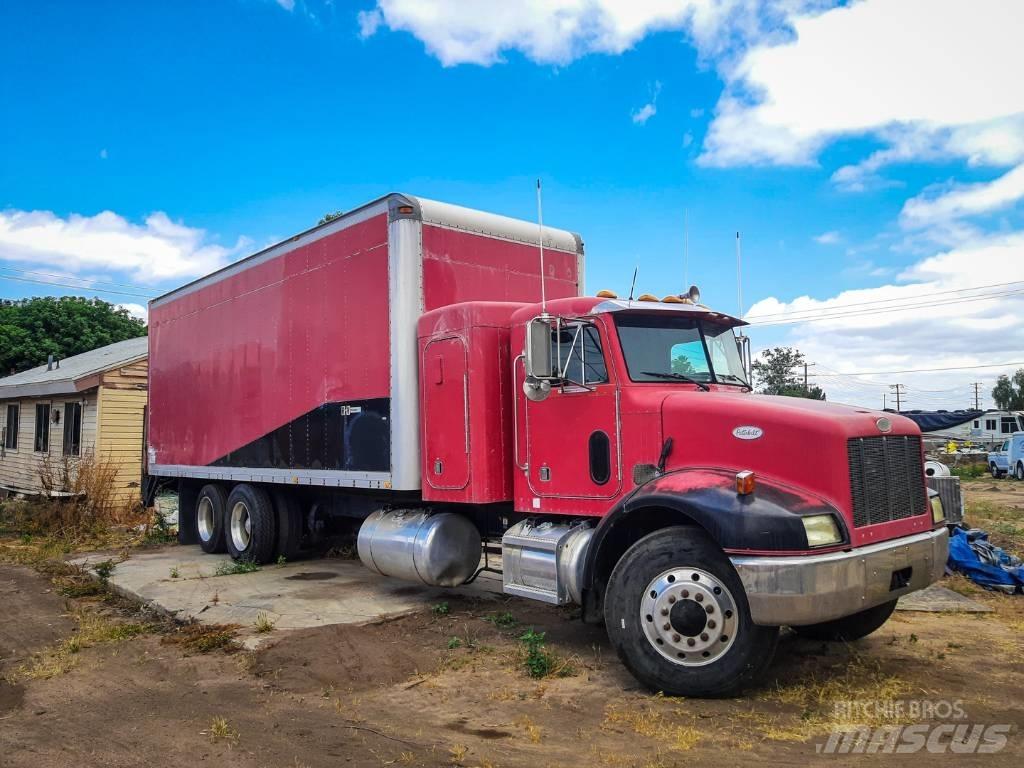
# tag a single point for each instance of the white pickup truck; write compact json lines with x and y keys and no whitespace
{"x":1009,"y":458}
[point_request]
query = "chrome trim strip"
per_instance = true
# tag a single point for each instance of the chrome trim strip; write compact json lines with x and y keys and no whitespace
{"x":320,"y":477}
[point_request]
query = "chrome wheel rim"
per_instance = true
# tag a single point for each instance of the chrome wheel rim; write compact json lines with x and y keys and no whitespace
{"x":241,"y":526}
{"x":689,"y":616}
{"x":204,"y":518}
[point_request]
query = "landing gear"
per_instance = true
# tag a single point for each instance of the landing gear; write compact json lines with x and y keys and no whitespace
{"x":677,"y":615}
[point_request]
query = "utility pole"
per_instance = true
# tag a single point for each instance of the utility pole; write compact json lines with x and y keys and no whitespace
{"x":977,"y":398}
{"x":899,"y":390}
{"x":806,"y":366}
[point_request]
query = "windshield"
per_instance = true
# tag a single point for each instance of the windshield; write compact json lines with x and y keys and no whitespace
{"x":664,"y":348}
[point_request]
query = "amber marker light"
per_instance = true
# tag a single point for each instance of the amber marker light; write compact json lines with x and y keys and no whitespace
{"x":745,"y":482}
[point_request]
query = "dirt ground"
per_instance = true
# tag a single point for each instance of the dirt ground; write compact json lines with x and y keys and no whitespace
{"x":86,"y":680}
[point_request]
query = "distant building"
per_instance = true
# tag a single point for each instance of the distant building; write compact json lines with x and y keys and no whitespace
{"x":92,"y":404}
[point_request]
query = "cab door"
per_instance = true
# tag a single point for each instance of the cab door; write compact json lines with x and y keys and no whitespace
{"x":572,"y":436}
{"x":445,"y":408}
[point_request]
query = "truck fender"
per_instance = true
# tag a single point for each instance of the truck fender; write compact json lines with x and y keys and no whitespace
{"x":767,"y":520}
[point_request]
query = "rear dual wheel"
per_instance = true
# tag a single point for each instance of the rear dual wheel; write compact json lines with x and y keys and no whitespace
{"x":250,"y":524}
{"x":677,"y":616}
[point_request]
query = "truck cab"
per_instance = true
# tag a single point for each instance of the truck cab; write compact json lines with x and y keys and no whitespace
{"x":651,"y":485}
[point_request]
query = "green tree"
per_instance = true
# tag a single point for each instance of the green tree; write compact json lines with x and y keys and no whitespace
{"x":330,"y":217}
{"x":682,"y":364}
{"x":1009,"y":392}
{"x":779,"y":371}
{"x":32,"y":329}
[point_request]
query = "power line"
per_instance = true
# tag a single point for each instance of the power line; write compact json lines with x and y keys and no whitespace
{"x":895,"y":298}
{"x":91,"y":281}
{"x":929,"y":370}
{"x":75,"y":287}
{"x":885,"y":310}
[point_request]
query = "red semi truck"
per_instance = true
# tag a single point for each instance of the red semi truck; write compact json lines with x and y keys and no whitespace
{"x":393,"y":368}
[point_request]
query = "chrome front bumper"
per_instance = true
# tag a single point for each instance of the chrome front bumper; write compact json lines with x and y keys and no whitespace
{"x":809,"y":589}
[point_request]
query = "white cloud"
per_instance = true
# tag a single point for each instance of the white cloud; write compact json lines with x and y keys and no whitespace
{"x":949,"y":332}
{"x":159,"y":249}
{"x":650,"y":109}
{"x":103,"y":154}
{"x":288,"y":5}
{"x":925,"y":77}
{"x":136,"y":310}
{"x":687,"y":139}
{"x":696,"y":112}
{"x":559,"y":31}
{"x":369,"y":22}
{"x":960,"y":200}
{"x":827,"y":238}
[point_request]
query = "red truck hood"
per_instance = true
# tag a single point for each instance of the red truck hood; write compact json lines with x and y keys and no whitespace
{"x":799,"y":442}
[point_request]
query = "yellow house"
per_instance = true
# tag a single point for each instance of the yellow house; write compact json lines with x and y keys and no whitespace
{"x":92,"y":404}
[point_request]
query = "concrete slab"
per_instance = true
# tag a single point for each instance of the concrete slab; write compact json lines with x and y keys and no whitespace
{"x":183,"y":582}
{"x":936,"y":599}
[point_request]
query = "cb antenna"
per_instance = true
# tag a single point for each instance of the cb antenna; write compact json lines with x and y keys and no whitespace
{"x":739,"y":276}
{"x":686,"y":248}
{"x":540,"y":241}
{"x":633,"y":285}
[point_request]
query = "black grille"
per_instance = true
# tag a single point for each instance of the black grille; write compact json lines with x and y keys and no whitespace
{"x":886,"y":479}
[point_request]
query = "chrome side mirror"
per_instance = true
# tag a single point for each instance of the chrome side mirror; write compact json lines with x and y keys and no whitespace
{"x":539,"y":364}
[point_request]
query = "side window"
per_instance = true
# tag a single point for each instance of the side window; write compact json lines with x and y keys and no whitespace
{"x":990,"y":425}
{"x":688,"y":358}
{"x":42,"y":443}
{"x":1006,"y":446}
{"x":72,"y":429}
{"x":1009,"y":425}
{"x":11,"y":435}
{"x":977,"y":423}
{"x":577,"y":347}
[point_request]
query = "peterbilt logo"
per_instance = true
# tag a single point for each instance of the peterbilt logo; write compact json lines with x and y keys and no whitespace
{"x":747,"y":433}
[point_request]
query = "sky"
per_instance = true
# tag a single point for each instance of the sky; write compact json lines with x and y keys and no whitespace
{"x":870,"y":153}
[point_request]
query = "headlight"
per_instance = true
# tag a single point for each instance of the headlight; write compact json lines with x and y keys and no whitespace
{"x":938,"y":514}
{"x":821,"y":530}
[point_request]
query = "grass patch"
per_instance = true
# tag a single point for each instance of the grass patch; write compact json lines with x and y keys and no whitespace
{"x":969,"y":471}
{"x":93,"y":629}
{"x":539,"y":661}
{"x":264,"y":623}
{"x":204,"y":638}
{"x":440,"y":609}
{"x":653,"y":723}
{"x":220,"y":730}
{"x":502,"y":620}
{"x":234,"y":567}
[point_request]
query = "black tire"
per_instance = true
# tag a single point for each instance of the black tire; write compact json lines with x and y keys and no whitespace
{"x":290,"y":526}
{"x":1020,"y":470}
{"x":256,"y":541}
{"x":994,"y":470}
{"x":654,"y":560}
{"x":209,"y":518}
{"x":852,"y":627}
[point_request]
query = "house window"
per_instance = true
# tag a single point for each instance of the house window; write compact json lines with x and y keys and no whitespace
{"x":990,"y":425}
{"x":977,"y":423}
{"x":1009,"y":425}
{"x":72,"y":429}
{"x":11,"y":435}
{"x":42,"y":444}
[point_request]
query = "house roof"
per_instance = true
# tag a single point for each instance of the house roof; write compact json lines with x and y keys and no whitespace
{"x":74,"y":373}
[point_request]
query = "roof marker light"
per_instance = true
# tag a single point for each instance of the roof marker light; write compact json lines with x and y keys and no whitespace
{"x":606,"y":294}
{"x":646,"y":297}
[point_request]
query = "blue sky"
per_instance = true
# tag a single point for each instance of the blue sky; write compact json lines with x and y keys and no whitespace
{"x":208,"y":129}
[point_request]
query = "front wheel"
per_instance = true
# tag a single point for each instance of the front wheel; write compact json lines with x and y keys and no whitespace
{"x":852,"y":627}
{"x":677,"y":615}
{"x":1020,"y":470}
{"x":995,"y":471}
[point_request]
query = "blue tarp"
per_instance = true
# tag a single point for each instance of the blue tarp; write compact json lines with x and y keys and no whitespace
{"x":936,"y":421}
{"x":971,"y":553}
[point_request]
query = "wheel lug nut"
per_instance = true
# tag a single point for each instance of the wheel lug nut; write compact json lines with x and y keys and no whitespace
{"x":711,"y":624}
{"x":700,"y":598}
{"x":664,"y":611}
{"x":686,"y":593}
{"x":675,"y":638}
{"x":690,"y":641}
{"x":671,"y":599}
{"x":709,"y":608}
{"x":703,"y":635}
